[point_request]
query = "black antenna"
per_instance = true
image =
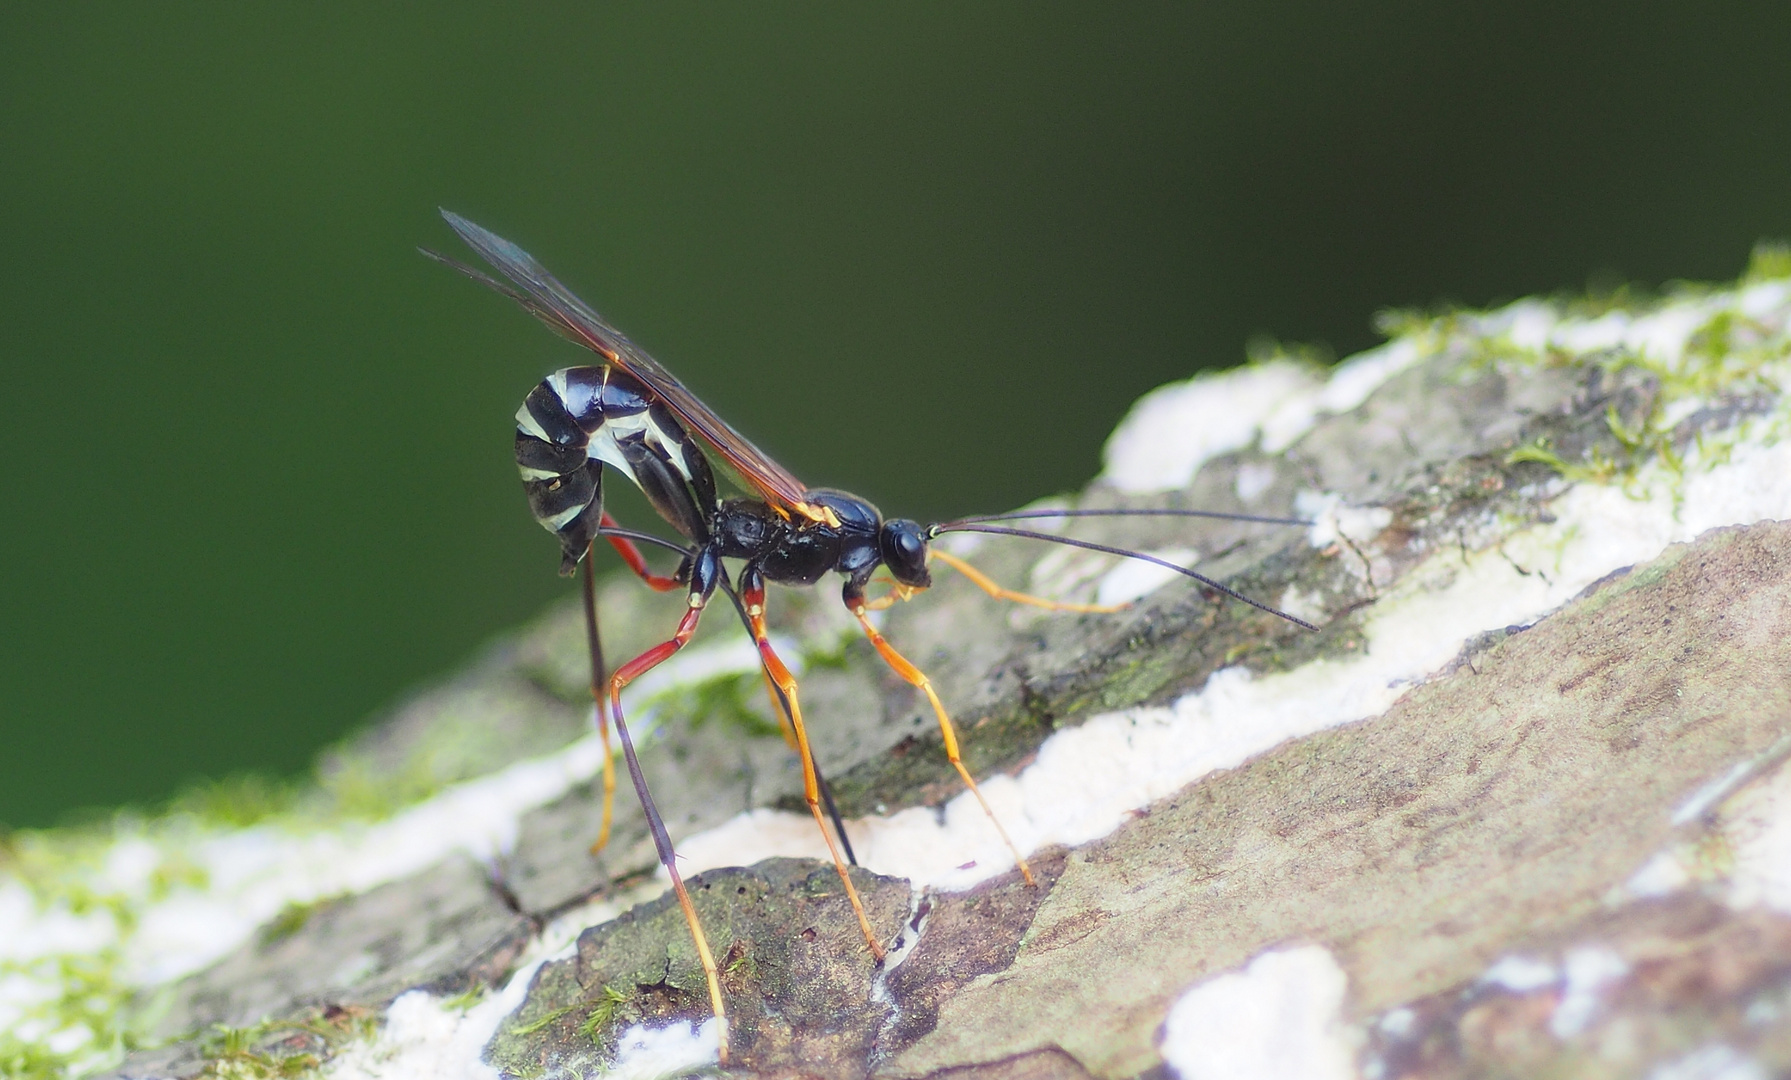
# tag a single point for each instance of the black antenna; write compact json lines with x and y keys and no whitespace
{"x":1028,"y":534}
{"x":1021,"y":515}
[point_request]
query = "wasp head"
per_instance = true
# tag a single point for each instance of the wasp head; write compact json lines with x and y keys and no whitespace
{"x":903,"y":545}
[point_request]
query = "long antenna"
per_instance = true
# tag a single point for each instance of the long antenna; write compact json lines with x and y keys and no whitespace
{"x":1022,"y":515}
{"x":1108,"y":549}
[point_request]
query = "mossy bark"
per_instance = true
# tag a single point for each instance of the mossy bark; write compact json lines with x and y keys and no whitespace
{"x":1495,"y":807}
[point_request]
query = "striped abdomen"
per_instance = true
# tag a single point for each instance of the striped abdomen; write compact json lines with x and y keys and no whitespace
{"x":583,"y":418}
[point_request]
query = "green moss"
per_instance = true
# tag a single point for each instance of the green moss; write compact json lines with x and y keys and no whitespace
{"x":833,"y":654}
{"x":359,"y":790}
{"x":280,"y":1050}
{"x":541,"y":1022}
{"x":1264,"y":349}
{"x":725,"y":700}
{"x":60,"y":868}
{"x":1770,"y":261}
{"x":21,"y":1060}
{"x":603,"y":1015}
{"x":1598,"y":469}
{"x":291,"y":919}
{"x":1416,"y":323}
{"x":235,"y":801}
{"x":90,"y":997}
{"x":1601,"y":297}
{"x":1727,"y":359}
{"x":464,"y":1002}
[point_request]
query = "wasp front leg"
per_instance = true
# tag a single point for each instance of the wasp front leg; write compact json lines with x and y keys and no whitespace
{"x":999,"y":592}
{"x":855,"y":603}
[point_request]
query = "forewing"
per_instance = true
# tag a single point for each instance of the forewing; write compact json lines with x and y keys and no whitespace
{"x":544,"y":297}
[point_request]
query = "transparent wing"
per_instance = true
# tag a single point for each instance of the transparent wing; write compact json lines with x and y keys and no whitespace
{"x":542,"y":295}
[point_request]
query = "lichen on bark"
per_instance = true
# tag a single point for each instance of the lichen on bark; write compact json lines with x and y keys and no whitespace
{"x":1497,"y":804}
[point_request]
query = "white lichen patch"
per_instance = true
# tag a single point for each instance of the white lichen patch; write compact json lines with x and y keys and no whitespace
{"x":1279,"y":1018}
{"x":1757,"y":826}
{"x":1087,"y":780}
{"x":1079,"y":576}
{"x":1134,"y":579}
{"x":1174,"y":430}
{"x":1740,"y":847}
{"x":646,"y":1053}
{"x":1717,"y":1061}
{"x":1521,"y":974}
{"x":90,"y":919}
{"x":1588,"y":971}
{"x":429,"y":1038}
{"x":1334,"y":522}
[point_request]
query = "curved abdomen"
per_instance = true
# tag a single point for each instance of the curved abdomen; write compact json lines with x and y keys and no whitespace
{"x":578,"y":420}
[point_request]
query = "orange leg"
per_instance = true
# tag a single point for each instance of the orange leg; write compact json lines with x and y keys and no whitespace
{"x":777,"y":709}
{"x":752,"y":592}
{"x":983,"y":582}
{"x":897,"y":591}
{"x":918,"y":679}
{"x":662,"y":840}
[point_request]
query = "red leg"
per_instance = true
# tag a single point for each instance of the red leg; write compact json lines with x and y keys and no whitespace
{"x":703,"y":584}
{"x":631,"y":555}
{"x":636,"y":561}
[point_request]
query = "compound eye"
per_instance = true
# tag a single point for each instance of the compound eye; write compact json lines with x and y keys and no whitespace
{"x":908,"y":547}
{"x":905,"y":552}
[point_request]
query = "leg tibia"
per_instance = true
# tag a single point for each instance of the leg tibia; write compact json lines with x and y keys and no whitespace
{"x":947,"y":730}
{"x":778,"y":674}
{"x":986,"y":584}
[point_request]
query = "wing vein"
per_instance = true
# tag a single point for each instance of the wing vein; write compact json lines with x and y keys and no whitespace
{"x":542,"y":296}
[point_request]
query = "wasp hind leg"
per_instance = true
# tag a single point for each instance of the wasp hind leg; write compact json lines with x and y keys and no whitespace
{"x":855,"y":603}
{"x":631,"y":554}
{"x":780,"y":708}
{"x":705,"y":572}
{"x":599,"y":675}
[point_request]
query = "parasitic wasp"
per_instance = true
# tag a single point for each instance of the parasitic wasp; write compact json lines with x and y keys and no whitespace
{"x":628,"y":413}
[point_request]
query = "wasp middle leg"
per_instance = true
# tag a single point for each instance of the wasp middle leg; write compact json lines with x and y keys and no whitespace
{"x":780,"y":708}
{"x":752,"y":593}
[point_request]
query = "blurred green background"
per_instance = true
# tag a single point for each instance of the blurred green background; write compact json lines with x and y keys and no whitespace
{"x":257,"y":470}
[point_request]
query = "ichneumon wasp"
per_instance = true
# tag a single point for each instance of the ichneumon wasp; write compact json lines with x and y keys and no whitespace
{"x":630,"y":414}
